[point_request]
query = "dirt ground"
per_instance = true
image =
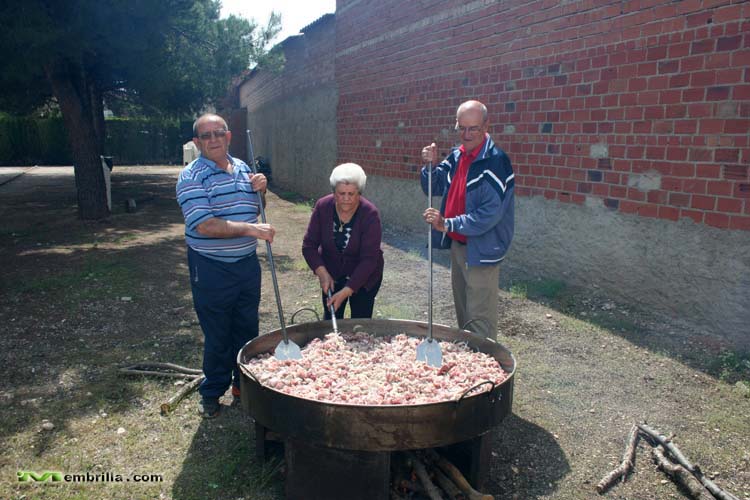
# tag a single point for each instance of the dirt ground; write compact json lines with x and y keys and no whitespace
{"x":79,"y":300}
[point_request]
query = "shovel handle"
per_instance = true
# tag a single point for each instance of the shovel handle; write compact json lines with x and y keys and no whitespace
{"x":429,"y":251}
{"x":268,"y":244}
{"x":333,"y":314}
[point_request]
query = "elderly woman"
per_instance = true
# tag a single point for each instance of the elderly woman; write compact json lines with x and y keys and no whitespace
{"x":342,"y":244}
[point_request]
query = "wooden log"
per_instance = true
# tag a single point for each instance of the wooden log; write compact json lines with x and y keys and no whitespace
{"x":167,"y":366}
{"x":432,"y":491}
{"x":668,"y":446}
{"x":448,"y":486}
{"x":455,"y":475}
{"x":684,"y":477}
{"x":396,"y":495}
{"x":134,"y":371}
{"x":675,"y":452}
{"x":172,"y":403}
{"x":628,"y":461}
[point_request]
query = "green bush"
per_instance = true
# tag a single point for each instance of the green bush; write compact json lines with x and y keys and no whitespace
{"x":30,"y":141}
{"x":44,"y":141}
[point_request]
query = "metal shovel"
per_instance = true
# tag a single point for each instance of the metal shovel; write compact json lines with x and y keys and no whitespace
{"x":286,"y":349}
{"x":333,"y":315}
{"x":429,"y":350}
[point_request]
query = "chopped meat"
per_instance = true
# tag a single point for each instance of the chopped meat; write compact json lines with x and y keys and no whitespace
{"x":362,"y":369}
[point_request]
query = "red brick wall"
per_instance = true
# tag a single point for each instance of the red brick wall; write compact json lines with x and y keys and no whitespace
{"x":309,"y":63}
{"x":588,"y":98}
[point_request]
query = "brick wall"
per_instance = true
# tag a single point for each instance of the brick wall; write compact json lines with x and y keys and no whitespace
{"x":642,"y":107}
{"x":309,"y":64}
{"x":292,"y":112}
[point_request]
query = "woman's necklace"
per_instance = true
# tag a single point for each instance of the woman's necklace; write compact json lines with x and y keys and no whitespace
{"x":342,"y":222}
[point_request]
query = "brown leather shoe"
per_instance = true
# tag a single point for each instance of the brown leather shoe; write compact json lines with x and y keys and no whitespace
{"x":209,"y":408}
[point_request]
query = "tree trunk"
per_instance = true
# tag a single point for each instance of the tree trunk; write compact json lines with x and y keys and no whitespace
{"x":75,"y":91}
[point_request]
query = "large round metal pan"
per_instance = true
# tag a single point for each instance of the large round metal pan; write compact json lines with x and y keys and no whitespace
{"x":376,"y":428}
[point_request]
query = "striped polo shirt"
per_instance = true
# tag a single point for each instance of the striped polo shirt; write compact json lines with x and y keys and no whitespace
{"x":204,"y":191}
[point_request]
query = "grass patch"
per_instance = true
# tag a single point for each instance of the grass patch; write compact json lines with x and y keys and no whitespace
{"x":415,"y":254}
{"x":395,"y":311}
{"x":300,"y":265}
{"x":95,"y":279}
{"x":304,"y":207}
{"x":125,"y":238}
{"x":538,"y":289}
{"x":549,"y":289}
{"x":731,"y":366}
{"x":519,"y":291}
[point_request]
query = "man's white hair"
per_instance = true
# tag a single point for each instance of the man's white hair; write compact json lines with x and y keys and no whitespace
{"x":349,"y":173}
{"x":207,"y":117}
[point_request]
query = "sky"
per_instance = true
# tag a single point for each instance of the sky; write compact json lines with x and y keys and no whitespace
{"x":295,"y":14}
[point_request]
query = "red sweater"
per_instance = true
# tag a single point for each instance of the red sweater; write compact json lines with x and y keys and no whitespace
{"x":455,"y":203}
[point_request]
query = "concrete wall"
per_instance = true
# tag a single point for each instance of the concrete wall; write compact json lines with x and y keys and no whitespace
{"x":292,"y":113}
{"x":298,"y":135}
{"x":683,"y":269}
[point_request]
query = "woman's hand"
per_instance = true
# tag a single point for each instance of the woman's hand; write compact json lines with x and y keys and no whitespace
{"x":339,"y":297}
{"x":326,"y":281}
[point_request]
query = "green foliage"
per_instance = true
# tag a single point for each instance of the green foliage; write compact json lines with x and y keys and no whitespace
{"x":43,"y":141}
{"x":168,"y":57}
{"x":141,"y":141}
{"x":548,"y":289}
{"x":732,"y":366}
{"x":171,"y":56}
{"x":29,"y":141}
{"x":519,"y":290}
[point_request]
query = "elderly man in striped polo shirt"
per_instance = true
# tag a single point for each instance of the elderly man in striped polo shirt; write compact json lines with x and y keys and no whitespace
{"x":219,"y":197}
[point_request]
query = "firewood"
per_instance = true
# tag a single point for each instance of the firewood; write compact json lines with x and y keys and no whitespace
{"x":668,"y":446}
{"x":172,"y":403}
{"x":455,"y":475}
{"x":135,"y":371}
{"x":628,"y":461}
{"x":448,"y":486}
{"x":396,"y":495}
{"x":675,"y":452}
{"x":684,"y":477}
{"x":168,"y":366}
{"x":432,"y":491}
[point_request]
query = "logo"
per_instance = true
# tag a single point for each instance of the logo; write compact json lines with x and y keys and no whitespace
{"x":25,"y":476}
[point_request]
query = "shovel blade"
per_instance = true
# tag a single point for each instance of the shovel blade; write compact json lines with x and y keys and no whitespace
{"x":287,"y":350}
{"x":429,"y":351}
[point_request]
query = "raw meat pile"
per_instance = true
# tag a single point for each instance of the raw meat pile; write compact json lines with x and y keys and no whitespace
{"x":362,"y":369}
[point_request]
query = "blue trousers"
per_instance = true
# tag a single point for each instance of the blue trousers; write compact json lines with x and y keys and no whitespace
{"x":226,"y":298}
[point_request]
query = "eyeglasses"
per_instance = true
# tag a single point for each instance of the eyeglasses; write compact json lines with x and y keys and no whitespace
{"x":218,"y":134}
{"x":471,"y":130}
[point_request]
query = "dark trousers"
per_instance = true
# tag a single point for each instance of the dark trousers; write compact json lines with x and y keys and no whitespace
{"x":361,"y":303}
{"x":226,"y":298}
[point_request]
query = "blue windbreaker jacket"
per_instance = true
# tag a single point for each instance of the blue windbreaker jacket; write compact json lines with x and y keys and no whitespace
{"x":488,"y":221}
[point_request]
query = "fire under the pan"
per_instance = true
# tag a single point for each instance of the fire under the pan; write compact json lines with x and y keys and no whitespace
{"x":314,"y":472}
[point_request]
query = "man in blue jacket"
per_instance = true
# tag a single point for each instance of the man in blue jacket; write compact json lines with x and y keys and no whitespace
{"x":475,"y":219}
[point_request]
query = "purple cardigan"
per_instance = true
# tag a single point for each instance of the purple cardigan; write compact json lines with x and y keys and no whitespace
{"x":362,"y":259}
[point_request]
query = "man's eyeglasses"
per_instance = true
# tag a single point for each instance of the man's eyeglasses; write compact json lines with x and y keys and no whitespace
{"x":471,"y":130}
{"x":218,"y":134}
